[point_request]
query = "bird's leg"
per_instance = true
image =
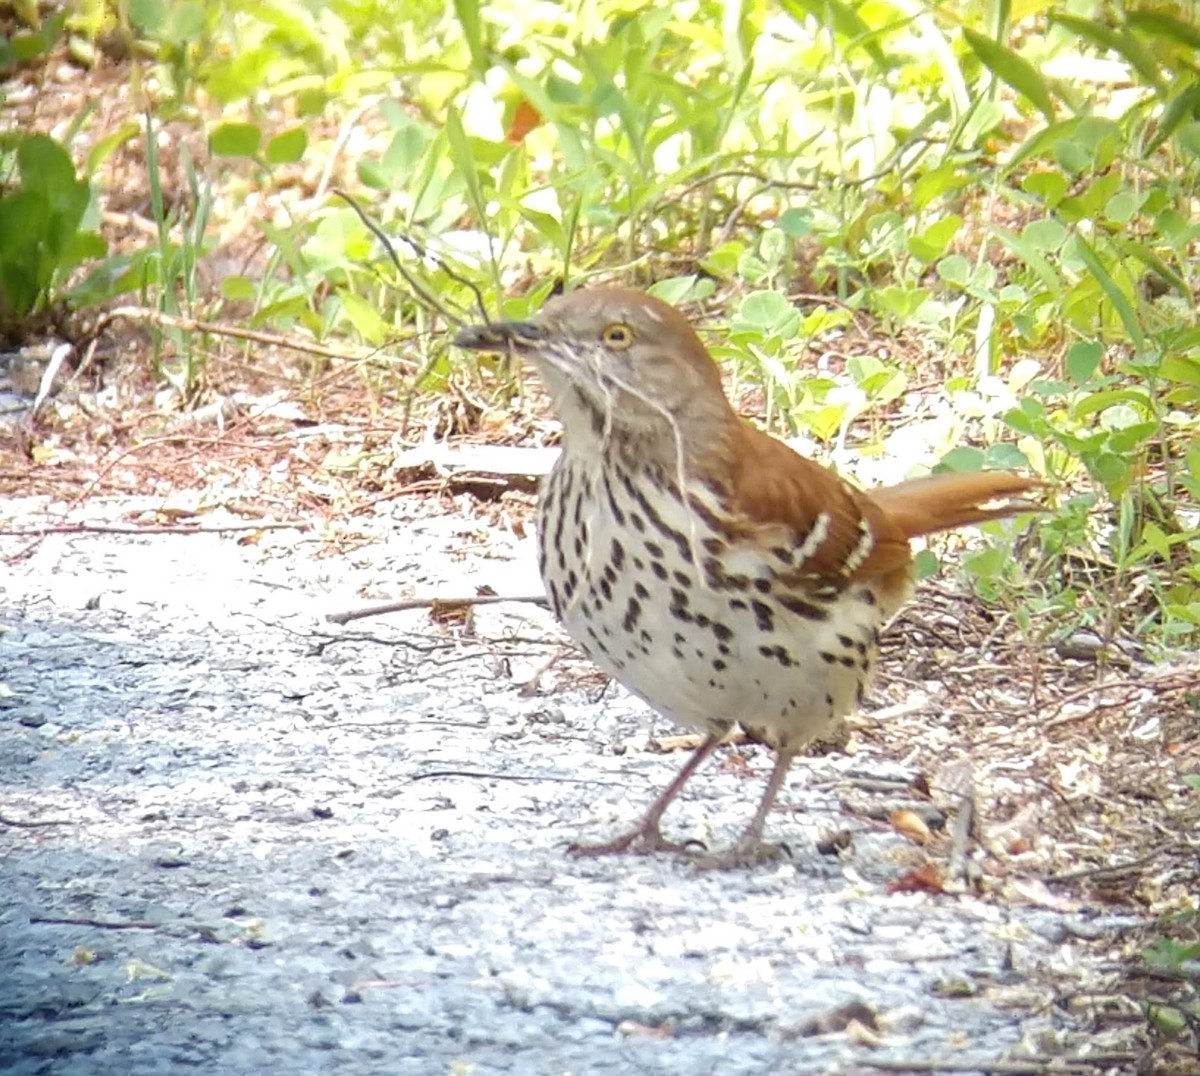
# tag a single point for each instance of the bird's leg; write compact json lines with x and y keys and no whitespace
{"x":751,"y":850}
{"x":646,"y":836}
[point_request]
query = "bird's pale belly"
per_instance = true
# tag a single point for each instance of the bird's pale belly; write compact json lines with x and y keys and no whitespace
{"x":708,"y":645}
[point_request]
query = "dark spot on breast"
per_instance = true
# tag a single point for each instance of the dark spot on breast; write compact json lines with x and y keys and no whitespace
{"x":737,"y":603}
{"x":763,"y":586}
{"x":782,"y":553}
{"x":682,"y":578}
{"x":802,"y":608}
{"x":719,"y":665}
{"x":655,"y":550}
{"x":677,"y":653}
{"x":847,"y":661}
{"x":866,"y":596}
{"x":722,"y":632}
{"x":713,"y":546}
{"x":763,"y":617}
{"x":706,"y":514}
{"x":637,"y":523}
{"x":723,"y":649}
{"x":657,"y":568}
{"x":613,"y":507}
{"x":640,"y":590}
{"x":656,"y":520}
{"x":606,"y":589}
{"x":639,"y":564}
{"x":610,"y":573}
{"x":828,"y":658}
{"x":845,"y":640}
{"x":617,"y":552}
{"x":578,"y":545}
{"x":632,"y":612}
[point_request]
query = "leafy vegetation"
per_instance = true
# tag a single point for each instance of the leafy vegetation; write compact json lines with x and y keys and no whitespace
{"x":878,"y":197}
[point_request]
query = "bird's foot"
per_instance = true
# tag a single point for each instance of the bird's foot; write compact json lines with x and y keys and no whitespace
{"x":745,"y":854}
{"x":641,"y":840}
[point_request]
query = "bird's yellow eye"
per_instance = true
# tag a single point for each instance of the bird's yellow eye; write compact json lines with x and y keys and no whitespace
{"x":617,"y":336}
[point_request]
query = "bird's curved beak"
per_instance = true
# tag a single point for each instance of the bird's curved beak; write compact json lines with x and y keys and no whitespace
{"x":504,"y":336}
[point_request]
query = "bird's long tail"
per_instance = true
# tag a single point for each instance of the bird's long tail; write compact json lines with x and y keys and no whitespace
{"x":941,"y":501}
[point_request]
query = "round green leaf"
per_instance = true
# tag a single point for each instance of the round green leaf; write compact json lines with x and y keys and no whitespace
{"x":235,"y":140}
{"x":1082,"y":360}
{"x":287,"y":147}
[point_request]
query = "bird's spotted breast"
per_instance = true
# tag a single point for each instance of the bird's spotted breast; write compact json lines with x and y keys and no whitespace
{"x":706,"y":627}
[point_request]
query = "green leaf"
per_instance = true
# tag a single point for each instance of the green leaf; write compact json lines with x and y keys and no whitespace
{"x":182,"y":23}
{"x":1046,"y":234}
{"x":964,"y":459}
{"x":147,"y":15}
{"x":239,"y":288}
{"x":1179,"y":109}
{"x":901,"y":302}
{"x":675,"y":289}
{"x":1121,"y":207}
{"x":931,"y":244}
{"x":1083,"y":359}
{"x":1018,"y":72}
{"x":1188,"y":139}
{"x":925,"y":564}
{"x":235,"y":140}
{"x":464,"y":161}
{"x":1181,"y":369}
{"x":767,"y":313}
{"x":104,"y":147}
{"x":955,"y":269}
{"x":1032,"y":257}
{"x":1115,"y":295}
{"x":1051,"y":187}
{"x":287,"y":147}
{"x":1004,"y":457}
{"x":796,"y":223}
{"x":1158,"y":24}
{"x":986,"y":563}
{"x":1109,"y":469}
{"x":364,"y":317}
{"x":844,"y":19}
{"x":939,"y":181}
{"x":548,"y":227}
{"x":1107,"y":38}
{"x":472,"y":27}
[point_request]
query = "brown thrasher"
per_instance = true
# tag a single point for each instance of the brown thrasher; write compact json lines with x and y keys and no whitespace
{"x":706,"y":566}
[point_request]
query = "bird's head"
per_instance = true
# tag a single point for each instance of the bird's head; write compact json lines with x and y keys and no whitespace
{"x":616,"y":363}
